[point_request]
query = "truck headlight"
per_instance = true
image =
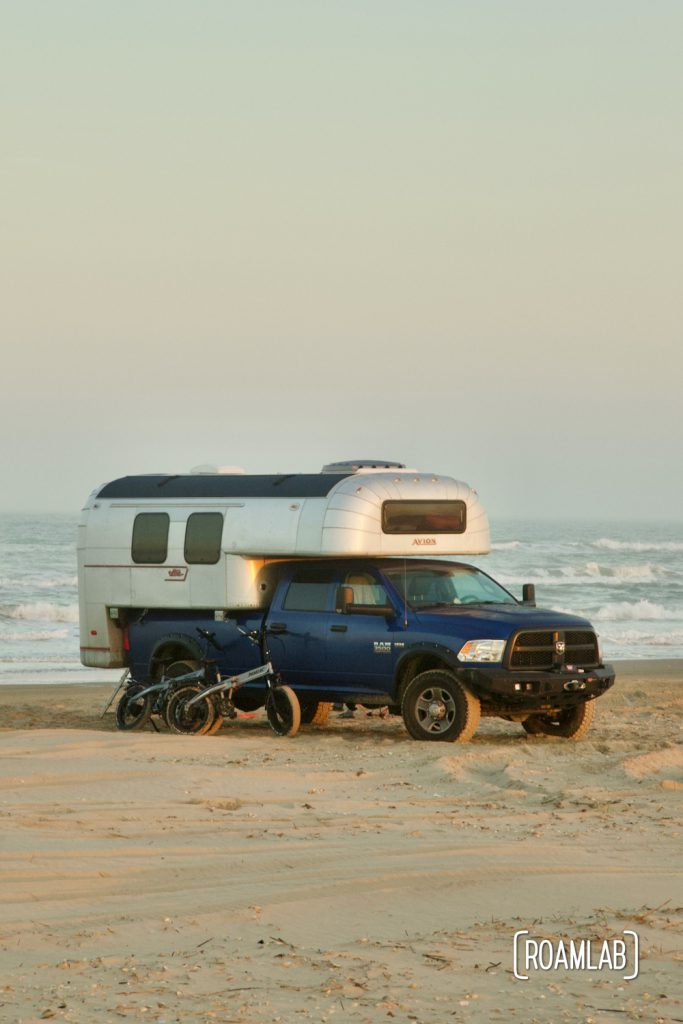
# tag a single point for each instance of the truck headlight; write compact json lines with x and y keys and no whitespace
{"x":482,"y":650}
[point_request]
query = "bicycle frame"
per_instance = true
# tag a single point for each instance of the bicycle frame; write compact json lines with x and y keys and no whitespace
{"x":234,"y":682}
{"x":172,"y":681}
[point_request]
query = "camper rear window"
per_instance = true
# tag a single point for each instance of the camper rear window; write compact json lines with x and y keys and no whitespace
{"x":424,"y":517}
{"x":150,"y":538}
{"x":203,"y":535}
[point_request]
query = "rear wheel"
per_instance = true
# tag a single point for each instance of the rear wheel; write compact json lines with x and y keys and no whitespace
{"x":133,"y":711}
{"x":195,"y":719}
{"x":568,"y":724}
{"x":315,"y":712}
{"x":437,"y":707}
{"x":283,"y":711}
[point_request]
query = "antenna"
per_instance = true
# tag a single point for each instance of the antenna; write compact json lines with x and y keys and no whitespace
{"x":405,"y":593}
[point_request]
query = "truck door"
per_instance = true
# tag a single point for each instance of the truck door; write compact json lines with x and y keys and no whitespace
{"x":362,"y":654}
{"x":298,"y":625}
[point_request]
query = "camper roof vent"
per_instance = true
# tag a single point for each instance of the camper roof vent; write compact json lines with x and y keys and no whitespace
{"x":369,"y":465}
{"x":209,"y":470}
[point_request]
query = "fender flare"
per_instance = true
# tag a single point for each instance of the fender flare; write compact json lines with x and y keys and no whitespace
{"x":438,"y":651}
{"x":191,"y":646}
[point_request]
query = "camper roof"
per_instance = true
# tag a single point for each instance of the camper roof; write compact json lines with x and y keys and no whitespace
{"x":290,"y":485}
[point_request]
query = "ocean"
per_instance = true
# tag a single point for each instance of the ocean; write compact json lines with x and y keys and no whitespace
{"x":627,"y":578}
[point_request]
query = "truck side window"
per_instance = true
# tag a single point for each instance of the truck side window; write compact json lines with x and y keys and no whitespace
{"x":309,"y":590}
{"x":150,"y":538}
{"x":203,"y":535}
{"x":366,"y":590}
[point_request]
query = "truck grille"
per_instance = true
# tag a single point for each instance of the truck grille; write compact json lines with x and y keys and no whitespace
{"x":543,"y":649}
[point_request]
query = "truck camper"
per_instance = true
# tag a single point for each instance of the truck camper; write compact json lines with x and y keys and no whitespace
{"x":348,"y":572}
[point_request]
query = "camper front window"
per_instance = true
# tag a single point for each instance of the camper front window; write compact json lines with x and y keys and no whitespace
{"x":150,"y":538}
{"x":424,"y":516}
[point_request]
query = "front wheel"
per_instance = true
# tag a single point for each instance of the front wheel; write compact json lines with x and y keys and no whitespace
{"x":437,"y":707}
{"x":283,"y":711}
{"x":569,"y":724}
{"x":195,"y":719}
{"x":133,"y":711}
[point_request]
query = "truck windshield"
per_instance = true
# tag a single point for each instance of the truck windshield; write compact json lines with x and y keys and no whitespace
{"x":434,"y":587}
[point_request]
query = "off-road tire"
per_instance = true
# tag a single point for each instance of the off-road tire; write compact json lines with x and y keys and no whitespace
{"x":194,"y":721}
{"x":132,"y":713}
{"x":436,"y":706}
{"x":283,"y":711}
{"x":569,"y":724}
{"x":315,"y":712}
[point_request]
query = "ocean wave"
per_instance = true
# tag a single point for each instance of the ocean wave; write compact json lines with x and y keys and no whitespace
{"x":627,"y":611}
{"x":634,"y":637}
{"x":41,"y":611}
{"x":506,"y":545}
{"x":36,"y":634}
{"x":590,"y":572}
{"x":49,"y":583}
{"x":626,"y":545}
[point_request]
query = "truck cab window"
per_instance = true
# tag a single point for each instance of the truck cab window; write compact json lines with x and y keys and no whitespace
{"x":431,"y":587}
{"x":203,"y":535}
{"x":366,"y":590}
{"x":150,"y":538}
{"x":309,"y":590}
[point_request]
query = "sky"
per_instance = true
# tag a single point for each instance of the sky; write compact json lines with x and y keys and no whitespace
{"x":277,"y":234}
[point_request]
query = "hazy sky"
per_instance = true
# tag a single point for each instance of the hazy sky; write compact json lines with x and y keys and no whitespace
{"x":275,"y":234}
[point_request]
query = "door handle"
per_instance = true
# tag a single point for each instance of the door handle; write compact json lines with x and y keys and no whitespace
{"x":277,"y":627}
{"x":338,"y":629}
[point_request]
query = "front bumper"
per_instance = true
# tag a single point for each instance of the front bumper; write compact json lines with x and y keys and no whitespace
{"x":536,"y":691}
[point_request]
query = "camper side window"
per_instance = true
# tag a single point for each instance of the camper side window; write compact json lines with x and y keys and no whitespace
{"x":150,"y":538}
{"x":203,"y":535}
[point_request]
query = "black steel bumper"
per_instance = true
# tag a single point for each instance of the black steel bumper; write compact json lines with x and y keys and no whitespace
{"x":536,"y":691}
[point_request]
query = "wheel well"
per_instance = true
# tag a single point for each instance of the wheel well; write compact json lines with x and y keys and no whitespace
{"x":168,"y":652}
{"x":414,"y":666}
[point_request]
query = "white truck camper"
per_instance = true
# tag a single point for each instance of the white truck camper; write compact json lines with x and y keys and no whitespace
{"x":212,"y":540}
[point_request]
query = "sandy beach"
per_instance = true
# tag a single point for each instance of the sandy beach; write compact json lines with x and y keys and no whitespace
{"x":349,"y":873}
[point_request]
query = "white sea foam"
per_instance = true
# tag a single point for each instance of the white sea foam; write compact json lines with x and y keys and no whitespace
{"x":590,"y":572}
{"x":43,"y":611}
{"x":627,"y":611}
{"x":627,"y":545}
{"x":639,"y":638}
{"x":507,"y":545}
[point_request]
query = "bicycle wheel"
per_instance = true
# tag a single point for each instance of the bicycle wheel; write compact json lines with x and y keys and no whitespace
{"x":217,"y":725}
{"x":133,"y":711}
{"x":194,"y":720}
{"x":283,"y":711}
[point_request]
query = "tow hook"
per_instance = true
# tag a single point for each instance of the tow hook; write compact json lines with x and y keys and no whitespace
{"x":575,"y":684}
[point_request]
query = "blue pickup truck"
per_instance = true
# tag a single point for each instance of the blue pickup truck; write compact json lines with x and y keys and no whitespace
{"x":439,"y":641}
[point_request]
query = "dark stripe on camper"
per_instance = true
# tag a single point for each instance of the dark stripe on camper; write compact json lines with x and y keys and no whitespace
{"x":294,"y":485}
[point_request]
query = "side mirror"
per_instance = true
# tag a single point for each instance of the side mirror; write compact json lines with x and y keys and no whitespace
{"x":529,"y":594}
{"x":344,"y":599}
